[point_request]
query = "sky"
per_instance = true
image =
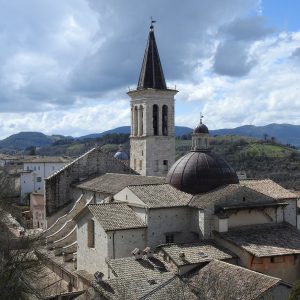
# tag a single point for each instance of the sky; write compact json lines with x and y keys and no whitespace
{"x":66,"y":66}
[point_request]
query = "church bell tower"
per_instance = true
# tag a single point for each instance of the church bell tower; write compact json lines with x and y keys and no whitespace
{"x":152,"y":139}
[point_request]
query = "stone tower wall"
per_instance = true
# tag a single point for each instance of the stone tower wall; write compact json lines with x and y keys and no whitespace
{"x":150,"y":154}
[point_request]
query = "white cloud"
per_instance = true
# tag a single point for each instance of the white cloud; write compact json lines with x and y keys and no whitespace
{"x":96,"y":118}
{"x":270,"y":93}
{"x":65,"y":65}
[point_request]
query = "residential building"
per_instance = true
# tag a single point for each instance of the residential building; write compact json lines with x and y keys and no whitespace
{"x":35,"y":170}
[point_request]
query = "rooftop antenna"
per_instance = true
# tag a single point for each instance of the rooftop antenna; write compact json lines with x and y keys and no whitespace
{"x":152,"y":22}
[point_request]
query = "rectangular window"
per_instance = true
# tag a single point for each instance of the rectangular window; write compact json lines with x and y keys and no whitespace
{"x":39,"y":179}
{"x":34,"y":168}
{"x":91,"y":233}
{"x":39,"y":168}
{"x":134,"y":164}
{"x":53,"y":168}
{"x":169,"y":239}
{"x":141,"y":164}
{"x":165,"y":165}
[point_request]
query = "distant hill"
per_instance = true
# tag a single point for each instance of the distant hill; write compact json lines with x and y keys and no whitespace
{"x":284,"y":133}
{"x":23,"y":140}
{"x":179,"y":130}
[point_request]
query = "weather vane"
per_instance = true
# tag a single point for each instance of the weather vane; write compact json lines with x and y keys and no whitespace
{"x":152,"y":22}
{"x":201,"y":117}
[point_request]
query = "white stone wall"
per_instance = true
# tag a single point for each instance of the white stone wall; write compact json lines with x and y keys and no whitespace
{"x":148,"y":151}
{"x":91,"y":259}
{"x":175,"y":221}
{"x":122,"y":242}
{"x":34,"y":181}
{"x":250,"y":217}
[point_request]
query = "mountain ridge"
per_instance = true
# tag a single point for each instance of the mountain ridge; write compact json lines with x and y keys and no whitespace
{"x":283,"y":133}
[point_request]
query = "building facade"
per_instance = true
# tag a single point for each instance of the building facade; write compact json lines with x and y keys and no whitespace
{"x":34,"y":172}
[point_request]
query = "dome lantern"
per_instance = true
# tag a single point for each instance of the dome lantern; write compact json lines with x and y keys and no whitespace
{"x":200,"y":137}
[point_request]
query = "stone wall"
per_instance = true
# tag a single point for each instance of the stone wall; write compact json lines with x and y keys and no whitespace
{"x":149,"y":150}
{"x":95,"y":162}
{"x":91,"y":259}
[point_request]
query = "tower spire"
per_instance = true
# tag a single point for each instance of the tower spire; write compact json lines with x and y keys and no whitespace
{"x":151,"y":75}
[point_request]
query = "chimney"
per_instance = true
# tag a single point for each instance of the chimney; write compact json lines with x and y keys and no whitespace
{"x":98,"y":276}
{"x":138,"y":254}
{"x":149,"y":252}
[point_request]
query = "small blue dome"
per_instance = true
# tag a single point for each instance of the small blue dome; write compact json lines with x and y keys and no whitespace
{"x":121,"y":155}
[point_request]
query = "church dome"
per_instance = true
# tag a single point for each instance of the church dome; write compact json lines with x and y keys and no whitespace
{"x":200,"y":172}
{"x":201,"y":128}
{"x":121,"y":154}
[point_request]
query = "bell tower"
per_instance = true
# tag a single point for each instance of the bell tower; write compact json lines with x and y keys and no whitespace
{"x":152,"y":139}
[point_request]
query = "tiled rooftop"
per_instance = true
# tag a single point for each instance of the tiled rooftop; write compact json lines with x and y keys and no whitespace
{"x":265,"y":190}
{"x":269,"y":188}
{"x":127,"y":266}
{"x":112,"y":183}
{"x":222,"y":281}
{"x":133,"y":287}
{"x":162,"y":195}
{"x":116,"y":216}
{"x":196,"y":252}
{"x":266,"y":239}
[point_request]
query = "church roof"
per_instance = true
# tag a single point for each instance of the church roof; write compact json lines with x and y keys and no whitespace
{"x":221,"y":280}
{"x":269,"y":188}
{"x":195,"y":253}
{"x":265,"y":239}
{"x":116,"y":216}
{"x":223,"y":196}
{"x":112,"y":183}
{"x":151,"y":75}
{"x":160,"y":195}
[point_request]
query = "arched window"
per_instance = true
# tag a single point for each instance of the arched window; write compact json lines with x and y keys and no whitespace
{"x":142,"y":120}
{"x":155,"y":119}
{"x":165,"y":120}
{"x":135,"y":121}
